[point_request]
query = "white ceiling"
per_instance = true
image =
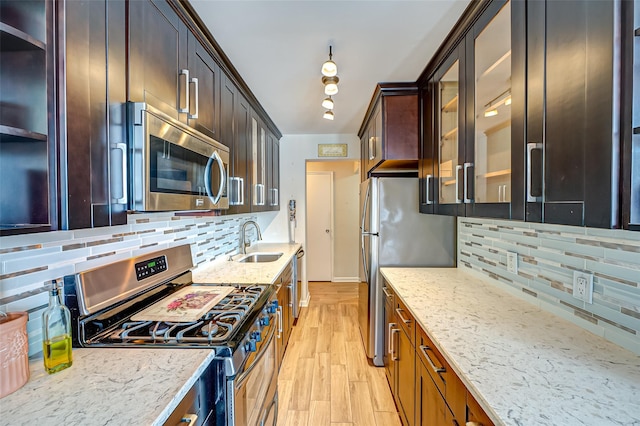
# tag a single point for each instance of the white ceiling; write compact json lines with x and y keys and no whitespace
{"x":278,"y":48}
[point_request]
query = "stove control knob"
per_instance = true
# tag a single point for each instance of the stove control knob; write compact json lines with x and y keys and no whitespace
{"x":273,"y":307}
{"x":250,"y":346}
{"x":256,"y":336}
{"x":264,"y":320}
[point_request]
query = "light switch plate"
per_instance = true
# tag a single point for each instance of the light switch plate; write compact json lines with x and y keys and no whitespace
{"x":583,"y":286}
{"x":512,"y":262}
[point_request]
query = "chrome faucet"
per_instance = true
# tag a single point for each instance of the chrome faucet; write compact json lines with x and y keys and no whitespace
{"x":243,"y":239}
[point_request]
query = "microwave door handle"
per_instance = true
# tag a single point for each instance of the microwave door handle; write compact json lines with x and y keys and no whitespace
{"x":223,"y":177}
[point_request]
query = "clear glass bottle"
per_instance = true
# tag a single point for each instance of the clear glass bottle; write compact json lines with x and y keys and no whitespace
{"x":56,"y":333}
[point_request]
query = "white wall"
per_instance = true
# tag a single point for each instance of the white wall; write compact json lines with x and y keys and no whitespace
{"x":295,"y":150}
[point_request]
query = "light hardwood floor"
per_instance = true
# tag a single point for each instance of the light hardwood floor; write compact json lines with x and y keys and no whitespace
{"x":325,"y":378}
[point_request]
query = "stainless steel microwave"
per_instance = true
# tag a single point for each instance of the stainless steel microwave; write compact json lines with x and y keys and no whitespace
{"x":174,"y":167}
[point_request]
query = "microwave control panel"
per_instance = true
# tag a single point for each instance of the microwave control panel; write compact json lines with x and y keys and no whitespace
{"x":151,"y":267}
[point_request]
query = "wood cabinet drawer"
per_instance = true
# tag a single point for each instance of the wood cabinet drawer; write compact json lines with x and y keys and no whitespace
{"x":445,"y":379}
{"x":405,"y":319}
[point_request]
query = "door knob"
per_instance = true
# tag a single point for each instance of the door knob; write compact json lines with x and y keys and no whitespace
{"x":326,"y":230}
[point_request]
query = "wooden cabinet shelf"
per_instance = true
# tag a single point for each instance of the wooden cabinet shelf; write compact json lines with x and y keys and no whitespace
{"x":450,"y":134}
{"x":501,"y":60}
{"x":14,"y":40}
{"x":497,"y":173}
{"x":13,"y":134}
{"x":452,"y":105}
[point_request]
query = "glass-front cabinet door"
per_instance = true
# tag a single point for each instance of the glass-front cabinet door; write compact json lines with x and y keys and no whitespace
{"x":493,"y":172}
{"x":448,"y":91}
{"x":492,"y":110}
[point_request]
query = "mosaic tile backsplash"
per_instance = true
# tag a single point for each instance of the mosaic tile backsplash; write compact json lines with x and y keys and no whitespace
{"x":28,"y":262}
{"x":547,"y":257}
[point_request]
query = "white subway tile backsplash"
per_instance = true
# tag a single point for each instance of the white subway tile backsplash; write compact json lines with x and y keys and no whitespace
{"x":548,"y":255}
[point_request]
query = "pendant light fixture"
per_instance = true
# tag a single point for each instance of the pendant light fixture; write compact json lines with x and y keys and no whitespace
{"x":330,"y":81}
{"x":327,"y":103}
{"x":329,"y":68}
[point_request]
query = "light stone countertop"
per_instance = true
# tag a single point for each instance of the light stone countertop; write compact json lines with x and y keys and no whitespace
{"x":224,"y":271}
{"x":524,"y":365}
{"x":126,"y":385}
{"x":107,"y":387}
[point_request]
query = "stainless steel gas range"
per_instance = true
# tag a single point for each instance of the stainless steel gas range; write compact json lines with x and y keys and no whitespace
{"x":242,"y":381}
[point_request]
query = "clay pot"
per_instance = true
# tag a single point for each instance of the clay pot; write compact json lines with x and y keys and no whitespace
{"x":14,"y":352}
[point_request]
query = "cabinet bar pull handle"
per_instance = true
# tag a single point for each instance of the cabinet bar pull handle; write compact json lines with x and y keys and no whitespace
{"x":279,"y":313}
{"x":393,"y":350}
{"x":372,"y":148}
{"x":386,"y":293}
{"x":234,"y":185}
{"x":534,"y":180}
{"x":426,"y":350}
{"x":428,"y":189}
{"x":189,"y":419}
{"x":241,"y":191}
{"x":195,"y":83}
{"x":389,"y":346}
{"x":404,"y":320}
{"x":458,"y":197}
{"x":468,"y":183}
{"x":185,"y":72}
{"x":123,"y":148}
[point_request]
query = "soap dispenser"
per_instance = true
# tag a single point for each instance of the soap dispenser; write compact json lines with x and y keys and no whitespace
{"x":56,"y":333}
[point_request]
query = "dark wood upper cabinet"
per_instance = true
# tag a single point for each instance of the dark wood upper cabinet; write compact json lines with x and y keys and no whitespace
{"x":204,"y":90}
{"x":158,"y":65}
{"x":93,"y":133}
{"x":572,"y":118}
{"x":472,"y":120}
{"x":28,"y":194}
{"x":540,"y":117}
{"x":630,"y":128}
{"x":235,"y":115}
{"x":389,"y":132}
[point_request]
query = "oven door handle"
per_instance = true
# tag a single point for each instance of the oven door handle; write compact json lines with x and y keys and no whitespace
{"x":207,"y":177}
{"x":263,"y":350}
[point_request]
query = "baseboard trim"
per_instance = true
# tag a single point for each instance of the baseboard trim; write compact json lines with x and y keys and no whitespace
{"x":345,"y":279}
{"x":305,"y":302}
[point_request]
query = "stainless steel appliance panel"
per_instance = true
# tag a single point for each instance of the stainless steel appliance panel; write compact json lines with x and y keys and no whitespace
{"x":174,"y":167}
{"x":394,"y":233}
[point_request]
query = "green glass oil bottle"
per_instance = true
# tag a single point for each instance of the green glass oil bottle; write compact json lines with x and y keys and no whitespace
{"x":56,"y":333}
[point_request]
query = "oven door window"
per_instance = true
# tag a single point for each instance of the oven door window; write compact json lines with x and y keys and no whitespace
{"x":174,"y":169}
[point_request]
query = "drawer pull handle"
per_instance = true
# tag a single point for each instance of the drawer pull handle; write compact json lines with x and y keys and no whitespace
{"x":386,"y":293}
{"x":390,"y":334}
{"x":426,"y":350}
{"x":189,"y":419}
{"x":404,"y":320}
{"x":393,"y":350}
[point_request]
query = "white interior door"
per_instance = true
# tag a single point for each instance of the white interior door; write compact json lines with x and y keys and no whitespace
{"x":319,"y":226}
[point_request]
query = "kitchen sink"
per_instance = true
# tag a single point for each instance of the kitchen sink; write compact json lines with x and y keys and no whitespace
{"x":259,"y":257}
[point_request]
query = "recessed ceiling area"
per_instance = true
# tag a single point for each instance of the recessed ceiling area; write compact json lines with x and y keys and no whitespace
{"x":278,"y":47}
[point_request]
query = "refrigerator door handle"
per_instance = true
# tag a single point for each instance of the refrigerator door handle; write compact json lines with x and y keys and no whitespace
{"x":364,"y":260}
{"x":365,"y":208}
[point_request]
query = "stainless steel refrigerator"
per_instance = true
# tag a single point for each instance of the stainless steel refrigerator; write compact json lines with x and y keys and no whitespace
{"x":394,"y":233}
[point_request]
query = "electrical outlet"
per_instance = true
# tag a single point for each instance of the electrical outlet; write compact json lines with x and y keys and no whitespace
{"x":583,"y":286}
{"x":512,"y":262}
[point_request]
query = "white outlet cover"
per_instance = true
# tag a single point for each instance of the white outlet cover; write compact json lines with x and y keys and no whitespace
{"x":583,"y":286}
{"x":512,"y":262}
